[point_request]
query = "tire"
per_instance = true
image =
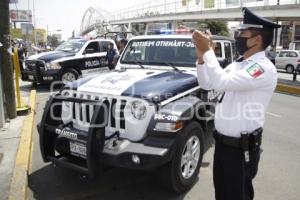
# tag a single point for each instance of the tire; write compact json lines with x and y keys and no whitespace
{"x":172,"y":174}
{"x":289,"y":69}
{"x":34,"y":84}
{"x":69,"y":75}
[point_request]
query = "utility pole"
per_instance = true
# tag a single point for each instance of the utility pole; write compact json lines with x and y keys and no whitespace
{"x":276,"y":29}
{"x":6,"y":65}
{"x":2,"y":117}
{"x":276,"y":35}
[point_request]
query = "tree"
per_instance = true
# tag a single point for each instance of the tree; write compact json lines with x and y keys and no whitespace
{"x":215,"y":27}
{"x":52,"y":40}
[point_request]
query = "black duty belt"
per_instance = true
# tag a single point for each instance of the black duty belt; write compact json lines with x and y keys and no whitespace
{"x":254,"y":139}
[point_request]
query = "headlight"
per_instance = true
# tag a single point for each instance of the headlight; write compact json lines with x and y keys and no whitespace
{"x":67,"y":93}
{"x":168,"y":127}
{"x":138,"y":110}
{"x":53,"y":66}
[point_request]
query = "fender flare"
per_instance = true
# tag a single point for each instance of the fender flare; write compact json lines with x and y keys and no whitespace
{"x":184,"y":109}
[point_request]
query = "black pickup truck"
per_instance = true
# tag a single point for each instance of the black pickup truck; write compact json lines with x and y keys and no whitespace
{"x":68,"y":61}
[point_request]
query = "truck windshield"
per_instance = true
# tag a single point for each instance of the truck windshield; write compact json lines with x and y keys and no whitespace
{"x":174,"y":51}
{"x":71,"y":46}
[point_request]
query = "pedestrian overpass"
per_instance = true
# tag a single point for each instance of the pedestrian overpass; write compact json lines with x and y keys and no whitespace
{"x":174,"y":11}
{"x":95,"y":19}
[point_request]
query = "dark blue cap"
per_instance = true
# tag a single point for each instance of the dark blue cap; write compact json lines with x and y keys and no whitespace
{"x":251,"y":20}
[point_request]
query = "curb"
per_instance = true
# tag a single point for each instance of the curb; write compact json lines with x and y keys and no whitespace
{"x":288,"y":89}
{"x":19,"y":182}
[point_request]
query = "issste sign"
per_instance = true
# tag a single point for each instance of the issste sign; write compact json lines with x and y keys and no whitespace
{"x":21,"y":15}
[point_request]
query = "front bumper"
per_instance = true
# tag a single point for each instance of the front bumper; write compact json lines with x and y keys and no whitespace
{"x":150,"y":157}
{"x":298,"y":68}
{"x":152,"y":152}
{"x":41,"y":76}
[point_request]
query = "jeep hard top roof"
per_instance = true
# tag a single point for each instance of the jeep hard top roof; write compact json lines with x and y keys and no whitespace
{"x":189,"y":36}
{"x":96,"y":39}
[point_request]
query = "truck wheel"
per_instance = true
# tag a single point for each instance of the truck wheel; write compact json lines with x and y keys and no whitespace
{"x":181,"y":173}
{"x":289,"y":69}
{"x":69,"y":75}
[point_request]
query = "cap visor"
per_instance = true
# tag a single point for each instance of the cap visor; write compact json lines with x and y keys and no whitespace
{"x":247,"y":26}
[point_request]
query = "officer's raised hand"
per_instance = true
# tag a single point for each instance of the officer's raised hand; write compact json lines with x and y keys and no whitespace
{"x":203,"y":41}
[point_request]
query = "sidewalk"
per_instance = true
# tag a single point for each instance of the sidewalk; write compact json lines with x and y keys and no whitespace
{"x":9,"y":143}
{"x":286,"y":83}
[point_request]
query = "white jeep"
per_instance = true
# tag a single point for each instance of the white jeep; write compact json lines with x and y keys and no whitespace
{"x":147,"y":114}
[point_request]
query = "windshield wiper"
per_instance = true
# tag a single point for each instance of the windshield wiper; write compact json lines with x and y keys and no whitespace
{"x":139,"y":64}
{"x":171,"y":65}
{"x":65,"y":50}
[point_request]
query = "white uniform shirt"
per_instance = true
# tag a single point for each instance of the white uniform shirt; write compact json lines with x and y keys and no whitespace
{"x":248,"y":87}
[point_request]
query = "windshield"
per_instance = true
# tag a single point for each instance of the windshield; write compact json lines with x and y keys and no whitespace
{"x":71,"y":46}
{"x":168,"y":51}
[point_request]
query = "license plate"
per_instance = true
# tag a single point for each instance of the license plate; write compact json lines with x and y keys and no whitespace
{"x":78,"y":149}
{"x":50,"y":78}
{"x":30,"y":77}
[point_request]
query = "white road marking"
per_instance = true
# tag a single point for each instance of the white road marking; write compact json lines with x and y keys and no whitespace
{"x":273,"y":114}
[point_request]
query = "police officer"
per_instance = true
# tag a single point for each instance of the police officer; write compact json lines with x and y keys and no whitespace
{"x":246,"y":87}
{"x":271,"y":54}
{"x":122,"y":45}
{"x":110,"y":55}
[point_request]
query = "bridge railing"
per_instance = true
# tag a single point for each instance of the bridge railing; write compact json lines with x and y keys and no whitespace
{"x":167,"y":7}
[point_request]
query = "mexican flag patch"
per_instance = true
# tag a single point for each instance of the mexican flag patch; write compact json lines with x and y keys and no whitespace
{"x":255,"y":70}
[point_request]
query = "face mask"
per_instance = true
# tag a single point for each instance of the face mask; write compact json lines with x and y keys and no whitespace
{"x":241,"y":44}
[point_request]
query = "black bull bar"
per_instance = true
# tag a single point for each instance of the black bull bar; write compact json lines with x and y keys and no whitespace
{"x":94,"y":141}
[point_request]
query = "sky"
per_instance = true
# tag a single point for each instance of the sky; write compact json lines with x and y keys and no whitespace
{"x":66,"y":15}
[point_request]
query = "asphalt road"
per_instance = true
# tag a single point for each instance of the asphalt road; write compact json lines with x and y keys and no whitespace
{"x":278,"y":177}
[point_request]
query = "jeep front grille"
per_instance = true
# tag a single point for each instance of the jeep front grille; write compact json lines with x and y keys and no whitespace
{"x":35,"y":65}
{"x":82,"y":113}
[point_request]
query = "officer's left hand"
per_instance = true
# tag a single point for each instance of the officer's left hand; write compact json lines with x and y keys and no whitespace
{"x":202,"y":41}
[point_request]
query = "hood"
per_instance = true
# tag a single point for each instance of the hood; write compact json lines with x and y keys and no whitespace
{"x":151,"y":85}
{"x":51,"y":55}
{"x":75,"y":84}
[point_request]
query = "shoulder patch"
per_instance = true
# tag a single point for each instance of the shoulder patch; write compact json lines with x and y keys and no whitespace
{"x":255,"y":70}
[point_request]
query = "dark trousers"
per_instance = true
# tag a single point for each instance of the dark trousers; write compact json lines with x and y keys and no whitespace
{"x":111,"y":64}
{"x":232,"y":175}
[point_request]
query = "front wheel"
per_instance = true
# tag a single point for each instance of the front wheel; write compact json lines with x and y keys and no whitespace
{"x":182,"y":172}
{"x":69,"y":75}
{"x":290,"y":69}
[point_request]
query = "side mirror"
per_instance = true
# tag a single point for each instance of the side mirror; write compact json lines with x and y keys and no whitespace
{"x":223,"y":62}
{"x":88,"y":51}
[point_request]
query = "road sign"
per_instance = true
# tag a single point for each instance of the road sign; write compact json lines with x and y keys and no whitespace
{"x":26,"y":28}
{"x":21,"y":15}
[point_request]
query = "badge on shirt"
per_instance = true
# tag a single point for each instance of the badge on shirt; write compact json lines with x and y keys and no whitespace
{"x":255,"y":70}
